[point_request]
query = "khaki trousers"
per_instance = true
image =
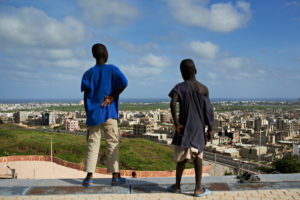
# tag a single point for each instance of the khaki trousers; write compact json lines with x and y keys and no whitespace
{"x":111,"y":134}
{"x":181,"y":154}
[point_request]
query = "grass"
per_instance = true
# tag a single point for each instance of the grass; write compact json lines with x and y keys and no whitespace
{"x":18,"y":141}
{"x":143,"y":107}
{"x":135,"y":153}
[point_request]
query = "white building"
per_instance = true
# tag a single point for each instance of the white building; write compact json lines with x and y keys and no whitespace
{"x":296,"y":148}
{"x":71,"y":125}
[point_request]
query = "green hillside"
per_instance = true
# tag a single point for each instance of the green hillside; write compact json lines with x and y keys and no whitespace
{"x":135,"y":153}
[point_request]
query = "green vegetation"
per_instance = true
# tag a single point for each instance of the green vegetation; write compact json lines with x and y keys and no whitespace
{"x":123,"y":106}
{"x":228,"y":173}
{"x":19,"y":141}
{"x":135,"y":153}
{"x":82,"y":125}
{"x":59,"y":127}
{"x":70,"y":108}
{"x":142,"y":154}
{"x":143,"y":107}
{"x":248,"y":107}
{"x":287,"y":164}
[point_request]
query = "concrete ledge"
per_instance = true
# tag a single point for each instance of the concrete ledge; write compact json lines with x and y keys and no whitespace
{"x":143,"y":185}
{"x":270,"y":178}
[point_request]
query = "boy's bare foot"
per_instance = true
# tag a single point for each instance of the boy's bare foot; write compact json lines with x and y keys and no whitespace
{"x":89,"y":176}
{"x":199,"y":191}
{"x":174,"y":189}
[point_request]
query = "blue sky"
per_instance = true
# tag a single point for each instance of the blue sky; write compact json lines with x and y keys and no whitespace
{"x":242,"y":49}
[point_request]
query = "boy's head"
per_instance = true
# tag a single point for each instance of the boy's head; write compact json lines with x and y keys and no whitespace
{"x":188,"y":69}
{"x":100,"y":52}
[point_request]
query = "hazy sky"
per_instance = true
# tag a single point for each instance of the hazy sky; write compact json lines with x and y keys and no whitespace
{"x":242,"y":49}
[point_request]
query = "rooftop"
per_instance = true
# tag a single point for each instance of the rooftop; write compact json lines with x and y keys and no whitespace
{"x":279,"y":186}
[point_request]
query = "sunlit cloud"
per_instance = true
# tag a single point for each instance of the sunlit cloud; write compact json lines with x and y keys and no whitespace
{"x":104,"y":12}
{"x":218,"y":17}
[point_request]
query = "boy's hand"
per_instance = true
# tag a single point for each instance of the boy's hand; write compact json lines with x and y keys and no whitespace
{"x":208,"y":136}
{"x":107,"y":101}
{"x":178,"y":129}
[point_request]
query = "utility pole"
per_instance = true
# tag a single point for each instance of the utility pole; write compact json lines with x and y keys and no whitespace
{"x":259,"y":149}
{"x":215,"y":164}
{"x":34,"y":170}
{"x":238,"y":172}
{"x":51,"y":150}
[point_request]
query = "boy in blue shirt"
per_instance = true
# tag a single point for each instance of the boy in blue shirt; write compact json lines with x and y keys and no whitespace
{"x":102,"y":85}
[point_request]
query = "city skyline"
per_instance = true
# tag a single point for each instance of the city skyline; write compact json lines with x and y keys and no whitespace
{"x":242,"y":49}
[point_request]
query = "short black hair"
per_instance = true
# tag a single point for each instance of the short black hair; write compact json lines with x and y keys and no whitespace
{"x":100,"y":52}
{"x":188,"y":69}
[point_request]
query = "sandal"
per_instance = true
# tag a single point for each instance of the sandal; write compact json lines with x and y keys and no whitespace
{"x":118,"y":181}
{"x":87,"y":183}
{"x":206,"y":192}
{"x":172,"y":190}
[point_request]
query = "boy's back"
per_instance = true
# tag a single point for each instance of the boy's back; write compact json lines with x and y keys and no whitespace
{"x":202,"y":89}
{"x":100,"y":81}
{"x":195,"y":112}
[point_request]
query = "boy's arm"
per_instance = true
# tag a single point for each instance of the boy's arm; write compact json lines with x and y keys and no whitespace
{"x":110,"y":98}
{"x":209,"y":130}
{"x":173,"y":103}
{"x":85,"y":94}
{"x":209,"y":133}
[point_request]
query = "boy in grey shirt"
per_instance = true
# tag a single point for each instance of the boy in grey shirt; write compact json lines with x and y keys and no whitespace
{"x":195,"y":113}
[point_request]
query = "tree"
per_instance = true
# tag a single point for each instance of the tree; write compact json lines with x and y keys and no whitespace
{"x":287,"y":164}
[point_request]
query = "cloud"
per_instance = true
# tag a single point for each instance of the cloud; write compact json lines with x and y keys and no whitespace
{"x":31,"y":27}
{"x":107,"y":12}
{"x":60,"y":53}
{"x":170,"y":37}
{"x":140,"y":71}
{"x":292,"y":3}
{"x":35,"y":77}
{"x":147,"y":66}
{"x":218,"y":17}
{"x":38,"y":41}
{"x":67,"y":63}
{"x":212,"y":76}
{"x":233,"y":62}
{"x":131,"y":48}
{"x":203,"y":49}
{"x":234,"y":68}
{"x":155,"y":61}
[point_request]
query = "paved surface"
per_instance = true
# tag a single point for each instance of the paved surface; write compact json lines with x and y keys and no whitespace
{"x":225,"y":187}
{"x":43,"y":170}
{"x":293,"y":194}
